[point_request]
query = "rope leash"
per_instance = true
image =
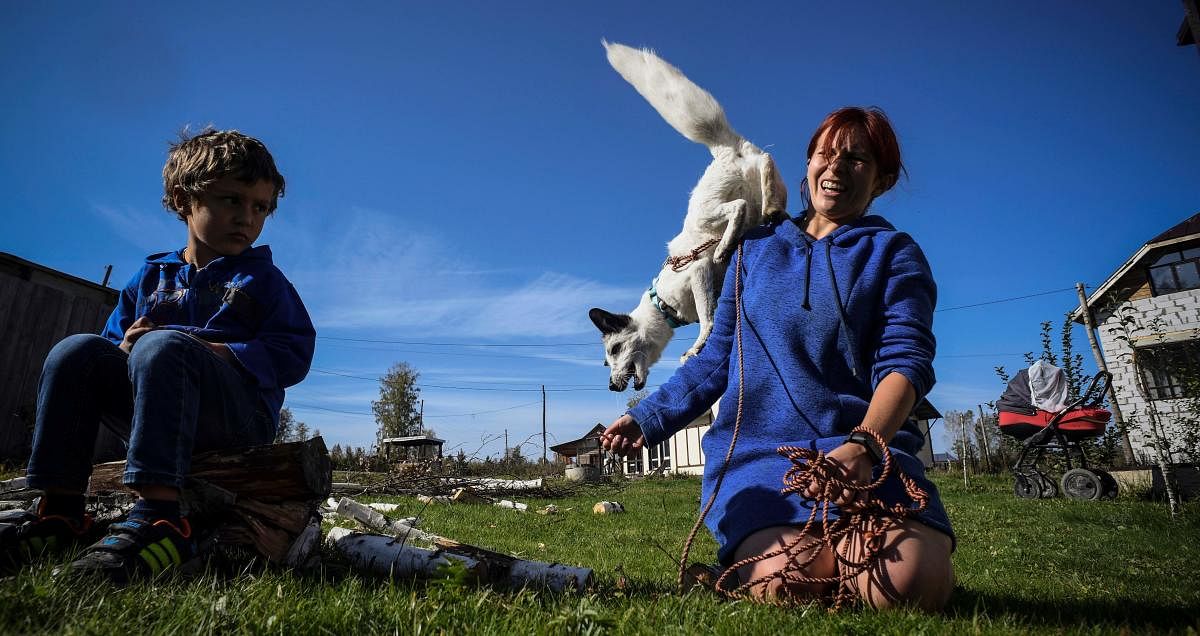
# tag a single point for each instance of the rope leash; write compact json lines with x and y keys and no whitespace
{"x":677,"y":263}
{"x":871,"y":520}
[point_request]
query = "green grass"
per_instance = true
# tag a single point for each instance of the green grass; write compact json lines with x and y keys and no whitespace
{"x":1040,"y":566}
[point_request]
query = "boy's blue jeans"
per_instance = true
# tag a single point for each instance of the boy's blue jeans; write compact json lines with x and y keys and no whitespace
{"x":170,"y":397}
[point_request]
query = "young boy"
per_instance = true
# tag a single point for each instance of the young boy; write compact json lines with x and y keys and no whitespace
{"x":195,"y":357}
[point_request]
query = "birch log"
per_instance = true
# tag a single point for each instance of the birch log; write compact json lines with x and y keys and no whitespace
{"x":389,"y":557}
{"x":378,"y":522}
{"x":519,"y":573}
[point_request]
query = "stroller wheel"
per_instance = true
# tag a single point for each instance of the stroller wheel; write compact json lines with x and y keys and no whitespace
{"x":1109,"y":483}
{"x":1026,"y":487}
{"x":1049,"y":489}
{"x":1081,"y":483}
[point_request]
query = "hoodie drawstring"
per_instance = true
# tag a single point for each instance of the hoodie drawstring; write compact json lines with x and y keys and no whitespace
{"x":844,"y":320}
{"x":807,"y":274}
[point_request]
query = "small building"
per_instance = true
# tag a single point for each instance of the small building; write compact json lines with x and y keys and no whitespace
{"x":1156,"y":294}
{"x":412,"y":448}
{"x":38,"y":307}
{"x":584,"y":451}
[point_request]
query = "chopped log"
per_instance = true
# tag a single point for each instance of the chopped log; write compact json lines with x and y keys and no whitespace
{"x":13,"y":485}
{"x":513,"y":505}
{"x":486,"y":484}
{"x":466,"y":495}
{"x":291,"y":516}
{"x":389,"y":557}
{"x":519,"y":573}
{"x":377,"y":521}
{"x":304,"y":545}
{"x":276,"y":472}
{"x":263,"y":496}
{"x":432,"y":499}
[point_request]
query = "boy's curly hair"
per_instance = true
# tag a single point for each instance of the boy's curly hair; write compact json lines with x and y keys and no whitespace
{"x":196,"y":161}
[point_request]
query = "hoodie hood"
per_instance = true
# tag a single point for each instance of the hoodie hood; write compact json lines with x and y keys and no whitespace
{"x":260,"y":253}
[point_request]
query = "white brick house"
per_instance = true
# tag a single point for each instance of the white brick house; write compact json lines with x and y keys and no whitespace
{"x":1158,"y":288}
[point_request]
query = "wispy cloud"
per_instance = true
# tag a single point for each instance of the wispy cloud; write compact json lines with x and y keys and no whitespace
{"x":149,"y":231}
{"x":368,"y":271}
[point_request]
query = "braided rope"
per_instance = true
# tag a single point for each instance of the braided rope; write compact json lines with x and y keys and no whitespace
{"x":871,"y":519}
{"x":677,"y":263}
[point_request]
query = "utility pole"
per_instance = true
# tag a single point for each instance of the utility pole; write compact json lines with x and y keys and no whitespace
{"x":1090,"y":326}
{"x":421,"y":416}
{"x":505,"y":458}
{"x":107,"y":275}
{"x":987,"y":443}
{"x":965,"y":443}
{"x":543,"y":423}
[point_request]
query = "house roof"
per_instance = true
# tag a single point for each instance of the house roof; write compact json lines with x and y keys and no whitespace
{"x":1186,"y":230}
{"x":13,"y":265}
{"x":414,"y":440}
{"x":568,"y":449}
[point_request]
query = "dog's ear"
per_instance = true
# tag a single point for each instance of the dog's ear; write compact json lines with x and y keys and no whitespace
{"x":774,"y":193}
{"x":608,"y":323}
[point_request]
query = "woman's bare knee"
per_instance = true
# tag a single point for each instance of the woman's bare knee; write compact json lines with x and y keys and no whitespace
{"x":777,"y":578}
{"x":914,"y":569}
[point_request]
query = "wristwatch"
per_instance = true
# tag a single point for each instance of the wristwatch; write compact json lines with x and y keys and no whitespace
{"x":868,"y":442}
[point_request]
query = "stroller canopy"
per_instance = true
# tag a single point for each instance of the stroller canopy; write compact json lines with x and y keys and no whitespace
{"x":1041,"y":386}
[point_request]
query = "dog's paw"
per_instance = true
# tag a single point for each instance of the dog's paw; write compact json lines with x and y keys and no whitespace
{"x":689,"y":354}
{"x":720,"y":256}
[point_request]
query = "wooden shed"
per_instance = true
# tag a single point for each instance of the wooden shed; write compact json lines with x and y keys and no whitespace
{"x":38,"y":307}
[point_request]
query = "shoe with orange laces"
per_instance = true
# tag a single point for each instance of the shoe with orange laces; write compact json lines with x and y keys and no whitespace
{"x":27,"y":536}
{"x":138,"y":547}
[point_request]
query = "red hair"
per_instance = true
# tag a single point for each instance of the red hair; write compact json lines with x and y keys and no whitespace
{"x":882,"y":138}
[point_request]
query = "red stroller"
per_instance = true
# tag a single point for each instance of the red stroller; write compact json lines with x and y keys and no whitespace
{"x":1032,"y":410}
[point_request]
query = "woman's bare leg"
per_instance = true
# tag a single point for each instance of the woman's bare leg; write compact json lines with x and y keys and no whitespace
{"x":778,"y":588}
{"x":914,"y":568}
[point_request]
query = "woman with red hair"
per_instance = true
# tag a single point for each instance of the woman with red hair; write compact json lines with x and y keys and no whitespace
{"x":834,"y":334}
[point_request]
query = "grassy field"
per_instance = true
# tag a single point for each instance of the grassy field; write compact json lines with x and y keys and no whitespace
{"x":1040,"y":566}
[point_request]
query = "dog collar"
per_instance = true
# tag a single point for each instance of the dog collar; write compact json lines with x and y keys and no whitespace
{"x":674,"y":320}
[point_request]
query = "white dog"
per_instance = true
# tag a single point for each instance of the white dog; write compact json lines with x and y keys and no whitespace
{"x":740,"y":189}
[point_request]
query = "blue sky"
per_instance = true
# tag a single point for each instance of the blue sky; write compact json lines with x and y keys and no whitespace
{"x":474,"y":173}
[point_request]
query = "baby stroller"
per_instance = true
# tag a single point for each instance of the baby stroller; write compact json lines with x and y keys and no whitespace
{"x":1032,"y":410}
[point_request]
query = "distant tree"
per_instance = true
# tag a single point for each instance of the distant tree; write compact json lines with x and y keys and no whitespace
{"x":337,"y":457}
{"x":635,"y":398}
{"x":396,"y":410}
{"x":301,"y":432}
{"x":287,"y":424}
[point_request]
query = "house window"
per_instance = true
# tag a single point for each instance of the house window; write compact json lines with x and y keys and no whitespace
{"x":1175,"y":271}
{"x":1171,"y":370}
{"x":660,"y":455}
{"x":633,"y":465}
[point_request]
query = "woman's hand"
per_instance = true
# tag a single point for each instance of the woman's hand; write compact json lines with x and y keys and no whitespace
{"x":855,"y":465}
{"x":139,"y":328}
{"x":623,"y":437}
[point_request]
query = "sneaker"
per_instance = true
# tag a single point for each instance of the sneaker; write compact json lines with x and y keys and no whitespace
{"x":138,"y":548}
{"x":26,"y":537}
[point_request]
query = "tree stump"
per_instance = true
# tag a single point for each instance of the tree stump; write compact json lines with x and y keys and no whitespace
{"x":264,"y":497}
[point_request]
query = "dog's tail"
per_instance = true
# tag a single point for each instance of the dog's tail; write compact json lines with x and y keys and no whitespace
{"x":687,"y":107}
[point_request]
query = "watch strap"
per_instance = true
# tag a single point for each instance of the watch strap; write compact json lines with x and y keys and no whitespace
{"x":868,"y":441}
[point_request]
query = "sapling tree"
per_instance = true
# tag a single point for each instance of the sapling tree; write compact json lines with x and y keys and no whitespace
{"x":1128,"y":323}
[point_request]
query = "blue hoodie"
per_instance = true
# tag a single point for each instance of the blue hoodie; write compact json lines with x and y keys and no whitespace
{"x":243,"y":301}
{"x":823,"y":322}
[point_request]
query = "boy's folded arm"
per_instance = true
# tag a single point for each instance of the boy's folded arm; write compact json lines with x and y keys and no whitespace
{"x":281,"y":353}
{"x":125,"y":312}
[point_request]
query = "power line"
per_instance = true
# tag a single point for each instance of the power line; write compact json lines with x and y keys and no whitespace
{"x":462,"y":388}
{"x":462,"y":344}
{"x":1005,"y":300}
{"x":301,"y":407}
{"x":510,"y":408}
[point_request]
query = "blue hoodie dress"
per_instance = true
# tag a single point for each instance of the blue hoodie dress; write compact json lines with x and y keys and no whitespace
{"x":823,"y":322}
{"x":243,"y":301}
